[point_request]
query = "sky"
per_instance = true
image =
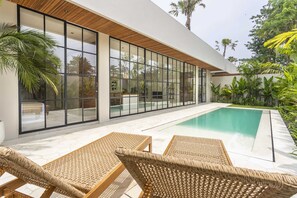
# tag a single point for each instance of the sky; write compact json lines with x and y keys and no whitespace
{"x":222,"y":19}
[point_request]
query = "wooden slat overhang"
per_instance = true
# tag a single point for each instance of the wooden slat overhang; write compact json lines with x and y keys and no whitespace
{"x":82,"y":17}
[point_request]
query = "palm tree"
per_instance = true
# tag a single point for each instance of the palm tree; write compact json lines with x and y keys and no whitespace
{"x":226,"y":43}
{"x":186,"y":7}
{"x":31,"y":55}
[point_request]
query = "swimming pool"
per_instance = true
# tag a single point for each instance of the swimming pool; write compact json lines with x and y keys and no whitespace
{"x":236,"y":127}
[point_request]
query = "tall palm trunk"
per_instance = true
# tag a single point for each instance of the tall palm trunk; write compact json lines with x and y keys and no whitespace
{"x":225,"y":49}
{"x":188,"y":22}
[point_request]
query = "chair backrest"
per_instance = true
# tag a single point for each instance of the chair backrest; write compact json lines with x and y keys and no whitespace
{"x":176,"y":177}
{"x":23,"y":168}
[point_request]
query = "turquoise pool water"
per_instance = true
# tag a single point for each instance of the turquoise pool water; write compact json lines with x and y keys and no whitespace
{"x":227,"y":120}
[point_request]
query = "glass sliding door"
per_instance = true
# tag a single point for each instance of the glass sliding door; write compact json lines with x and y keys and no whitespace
{"x":76,"y":101}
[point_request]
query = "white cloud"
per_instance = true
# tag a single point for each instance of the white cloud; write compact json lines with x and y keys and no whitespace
{"x":222,"y":19}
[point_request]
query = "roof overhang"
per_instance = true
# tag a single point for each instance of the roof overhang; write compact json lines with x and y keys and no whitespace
{"x":139,"y":22}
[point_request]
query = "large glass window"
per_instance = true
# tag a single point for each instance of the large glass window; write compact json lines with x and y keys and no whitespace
{"x":142,"y":80}
{"x":76,"y":101}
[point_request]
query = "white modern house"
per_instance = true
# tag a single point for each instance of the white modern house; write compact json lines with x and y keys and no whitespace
{"x":118,"y":58}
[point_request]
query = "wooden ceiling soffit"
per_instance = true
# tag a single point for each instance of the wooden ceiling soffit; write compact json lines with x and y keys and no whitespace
{"x":77,"y":15}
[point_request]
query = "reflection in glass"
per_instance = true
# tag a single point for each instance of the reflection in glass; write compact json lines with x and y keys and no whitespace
{"x":133,"y":53}
{"x":125,"y":69}
{"x":55,"y":29}
{"x":140,"y":55}
{"x":32,"y":115}
{"x":74,"y":37}
{"x":74,"y":62}
{"x":74,"y":86}
{"x":89,"y":40}
{"x":90,"y":109}
{"x":114,"y":68}
{"x":60,"y":53}
{"x":89,"y":64}
{"x":133,"y":71}
{"x":74,"y":111}
{"x":114,"y":48}
{"x":27,"y":23}
{"x":133,"y":104}
{"x":125,"y":105}
{"x":51,"y":95}
{"x":55,"y":113}
{"x":124,"y":51}
{"x":89,"y":87}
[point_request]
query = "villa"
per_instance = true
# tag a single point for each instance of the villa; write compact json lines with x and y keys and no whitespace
{"x":128,"y":66}
{"x":130,"y":63}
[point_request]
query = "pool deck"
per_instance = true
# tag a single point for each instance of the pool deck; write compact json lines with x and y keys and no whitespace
{"x":43,"y":147}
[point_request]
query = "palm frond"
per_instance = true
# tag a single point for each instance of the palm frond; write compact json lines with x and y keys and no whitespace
{"x":31,"y":55}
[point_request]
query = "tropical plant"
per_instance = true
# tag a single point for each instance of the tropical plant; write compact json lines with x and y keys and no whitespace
{"x":268,"y":91}
{"x":31,"y":55}
{"x":226,"y":43}
{"x":242,"y":87}
{"x":215,"y":91}
{"x":285,"y":43}
{"x":226,"y":93}
{"x":186,"y":7}
{"x":286,"y":86}
{"x":250,"y":70}
{"x":234,"y":90}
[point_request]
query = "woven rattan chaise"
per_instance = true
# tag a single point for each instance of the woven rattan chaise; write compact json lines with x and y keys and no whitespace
{"x":199,"y":167}
{"x":85,"y":172}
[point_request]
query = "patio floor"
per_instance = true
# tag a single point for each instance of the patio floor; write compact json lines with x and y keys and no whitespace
{"x":43,"y":147}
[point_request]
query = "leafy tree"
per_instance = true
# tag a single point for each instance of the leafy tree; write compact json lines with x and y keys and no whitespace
{"x":232,"y":59}
{"x":276,"y":17}
{"x":286,"y":86}
{"x":186,"y":7}
{"x":225,"y":43}
{"x":216,"y":91}
{"x":250,"y":70}
{"x":284,"y":43}
{"x":31,"y":55}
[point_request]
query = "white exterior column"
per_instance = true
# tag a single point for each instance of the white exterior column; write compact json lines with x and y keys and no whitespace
{"x":9,"y":99}
{"x":208,"y":86}
{"x":103,"y":77}
{"x":197,"y":84}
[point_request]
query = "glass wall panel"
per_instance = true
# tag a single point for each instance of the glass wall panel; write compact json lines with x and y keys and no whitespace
{"x":114,"y":48}
{"x":142,"y":80}
{"x":74,"y":62}
{"x":89,"y":41}
{"x":27,"y":22}
{"x":74,"y":37}
{"x":55,"y":113}
{"x":77,"y":84}
{"x":55,"y":29}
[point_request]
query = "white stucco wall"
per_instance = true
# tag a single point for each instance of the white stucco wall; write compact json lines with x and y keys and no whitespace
{"x":9,"y":112}
{"x":103,"y":77}
{"x":227,"y":80}
{"x":197,"y":84}
{"x":208,"y":86}
{"x":146,"y":18}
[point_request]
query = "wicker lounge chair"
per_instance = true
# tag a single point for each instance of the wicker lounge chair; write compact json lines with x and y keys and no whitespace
{"x":188,"y":175}
{"x":85,"y":172}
